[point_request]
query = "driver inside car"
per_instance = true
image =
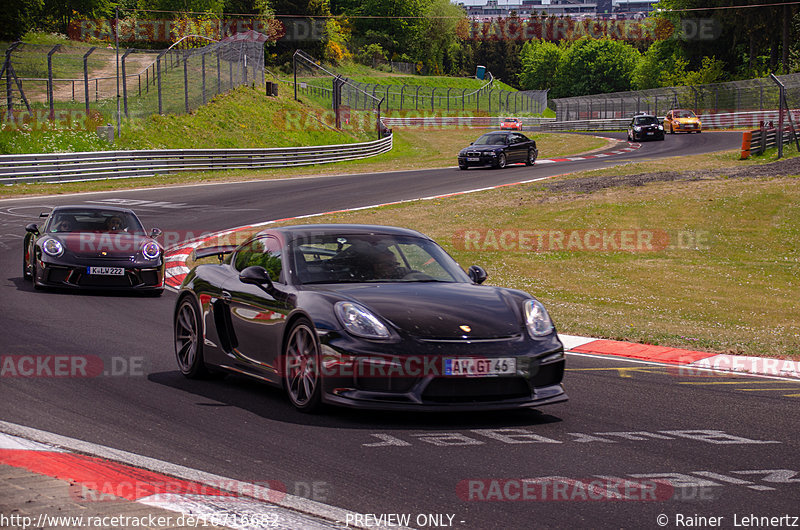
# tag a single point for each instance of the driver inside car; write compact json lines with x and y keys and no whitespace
{"x":115,"y":224}
{"x":62,"y":225}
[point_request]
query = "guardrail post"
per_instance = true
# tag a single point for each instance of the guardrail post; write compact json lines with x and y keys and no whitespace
{"x":464,"y":99}
{"x":433,"y":98}
{"x":416,"y":99}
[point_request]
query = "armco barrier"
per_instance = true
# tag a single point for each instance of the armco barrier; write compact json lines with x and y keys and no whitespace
{"x":757,"y":141}
{"x":62,"y":167}
{"x":710,"y":121}
{"x":457,"y":121}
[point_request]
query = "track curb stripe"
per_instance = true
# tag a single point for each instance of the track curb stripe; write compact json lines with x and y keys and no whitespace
{"x":156,"y":483}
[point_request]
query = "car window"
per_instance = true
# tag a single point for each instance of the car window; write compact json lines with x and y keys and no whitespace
{"x":491,"y":139}
{"x":334,"y":258}
{"x":93,"y":220}
{"x":263,"y":252}
{"x":646,"y":120}
{"x":684,"y":114}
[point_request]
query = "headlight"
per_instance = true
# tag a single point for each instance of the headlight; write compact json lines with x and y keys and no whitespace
{"x":660,"y":127}
{"x":53,"y":247}
{"x":151,"y":250}
{"x":536,"y":319}
{"x":493,"y":153}
{"x":637,"y":128}
{"x":359,"y":321}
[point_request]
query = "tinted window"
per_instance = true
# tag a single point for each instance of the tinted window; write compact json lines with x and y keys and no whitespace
{"x":88,"y":220}
{"x":492,"y":139}
{"x":263,"y":252}
{"x":340,"y":258}
{"x":646,"y":120}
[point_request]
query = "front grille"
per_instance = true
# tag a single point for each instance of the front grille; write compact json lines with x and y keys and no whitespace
{"x":548,"y":375}
{"x":149,"y":277}
{"x":56,"y":275}
{"x":385,"y":384}
{"x":475,"y":389}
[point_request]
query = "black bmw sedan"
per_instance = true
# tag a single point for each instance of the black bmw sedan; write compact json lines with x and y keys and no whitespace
{"x":93,"y":248}
{"x":497,"y":149}
{"x":365,"y":316}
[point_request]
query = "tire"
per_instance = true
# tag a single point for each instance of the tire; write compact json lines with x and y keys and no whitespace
{"x":301,"y":369}
{"x":531,"y":160}
{"x":26,"y":272}
{"x":462,"y":167}
{"x":671,"y":129}
{"x":35,"y":275}
{"x":189,"y":340}
{"x":501,"y":161}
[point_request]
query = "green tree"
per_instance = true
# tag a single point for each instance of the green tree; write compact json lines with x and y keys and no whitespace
{"x":18,"y":17}
{"x":596,"y":66}
{"x":436,"y":32}
{"x":540,"y":61}
{"x":663,"y":64}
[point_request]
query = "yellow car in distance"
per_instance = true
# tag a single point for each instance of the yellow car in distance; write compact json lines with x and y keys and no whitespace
{"x":681,"y":120}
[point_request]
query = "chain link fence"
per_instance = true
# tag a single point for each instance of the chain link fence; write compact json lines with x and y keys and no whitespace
{"x":349,"y":107}
{"x":485,"y":99}
{"x":80,"y":83}
{"x":717,"y":98}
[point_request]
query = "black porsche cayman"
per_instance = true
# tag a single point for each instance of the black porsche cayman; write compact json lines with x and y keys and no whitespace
{"x":365,"y":316}
{"x":94,"y":248}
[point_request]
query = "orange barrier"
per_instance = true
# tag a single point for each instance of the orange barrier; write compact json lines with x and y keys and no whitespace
{"x":747,"y":139}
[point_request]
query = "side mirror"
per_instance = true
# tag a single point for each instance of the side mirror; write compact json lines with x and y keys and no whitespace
{"x":477,"y":274}
{"x":256,"y":275}
{"x":470,"y":143}
{"x":33,"y":229}
{"x":155,"y":232}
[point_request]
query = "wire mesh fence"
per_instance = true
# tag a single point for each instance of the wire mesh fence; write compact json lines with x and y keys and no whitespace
{"x":316,"y":82}
{"x":80,"y":84}
{"x":717,"y":98}
{"x":350,"y":107}
{"x":484,"y":99}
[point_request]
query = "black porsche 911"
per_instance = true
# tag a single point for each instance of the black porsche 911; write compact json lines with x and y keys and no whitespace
{"x":368,"y":317}
{"x":497,"y":149}
{"x":94,"y":248}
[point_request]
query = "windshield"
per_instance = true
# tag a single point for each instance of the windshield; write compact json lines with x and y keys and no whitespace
{"x":491,"y":139}
{"x":684,"y":114}
{"x":92,"y":220}
{"x":646,"y":120}
{"x":345,"y":258}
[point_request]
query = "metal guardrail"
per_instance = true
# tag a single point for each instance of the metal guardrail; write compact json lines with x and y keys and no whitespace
{"x":758,"y":141}
{"x":65,"y":167}
{"x":458,"y":121}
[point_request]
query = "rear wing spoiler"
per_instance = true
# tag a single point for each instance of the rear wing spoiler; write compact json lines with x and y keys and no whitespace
{"x":219,"y":251}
